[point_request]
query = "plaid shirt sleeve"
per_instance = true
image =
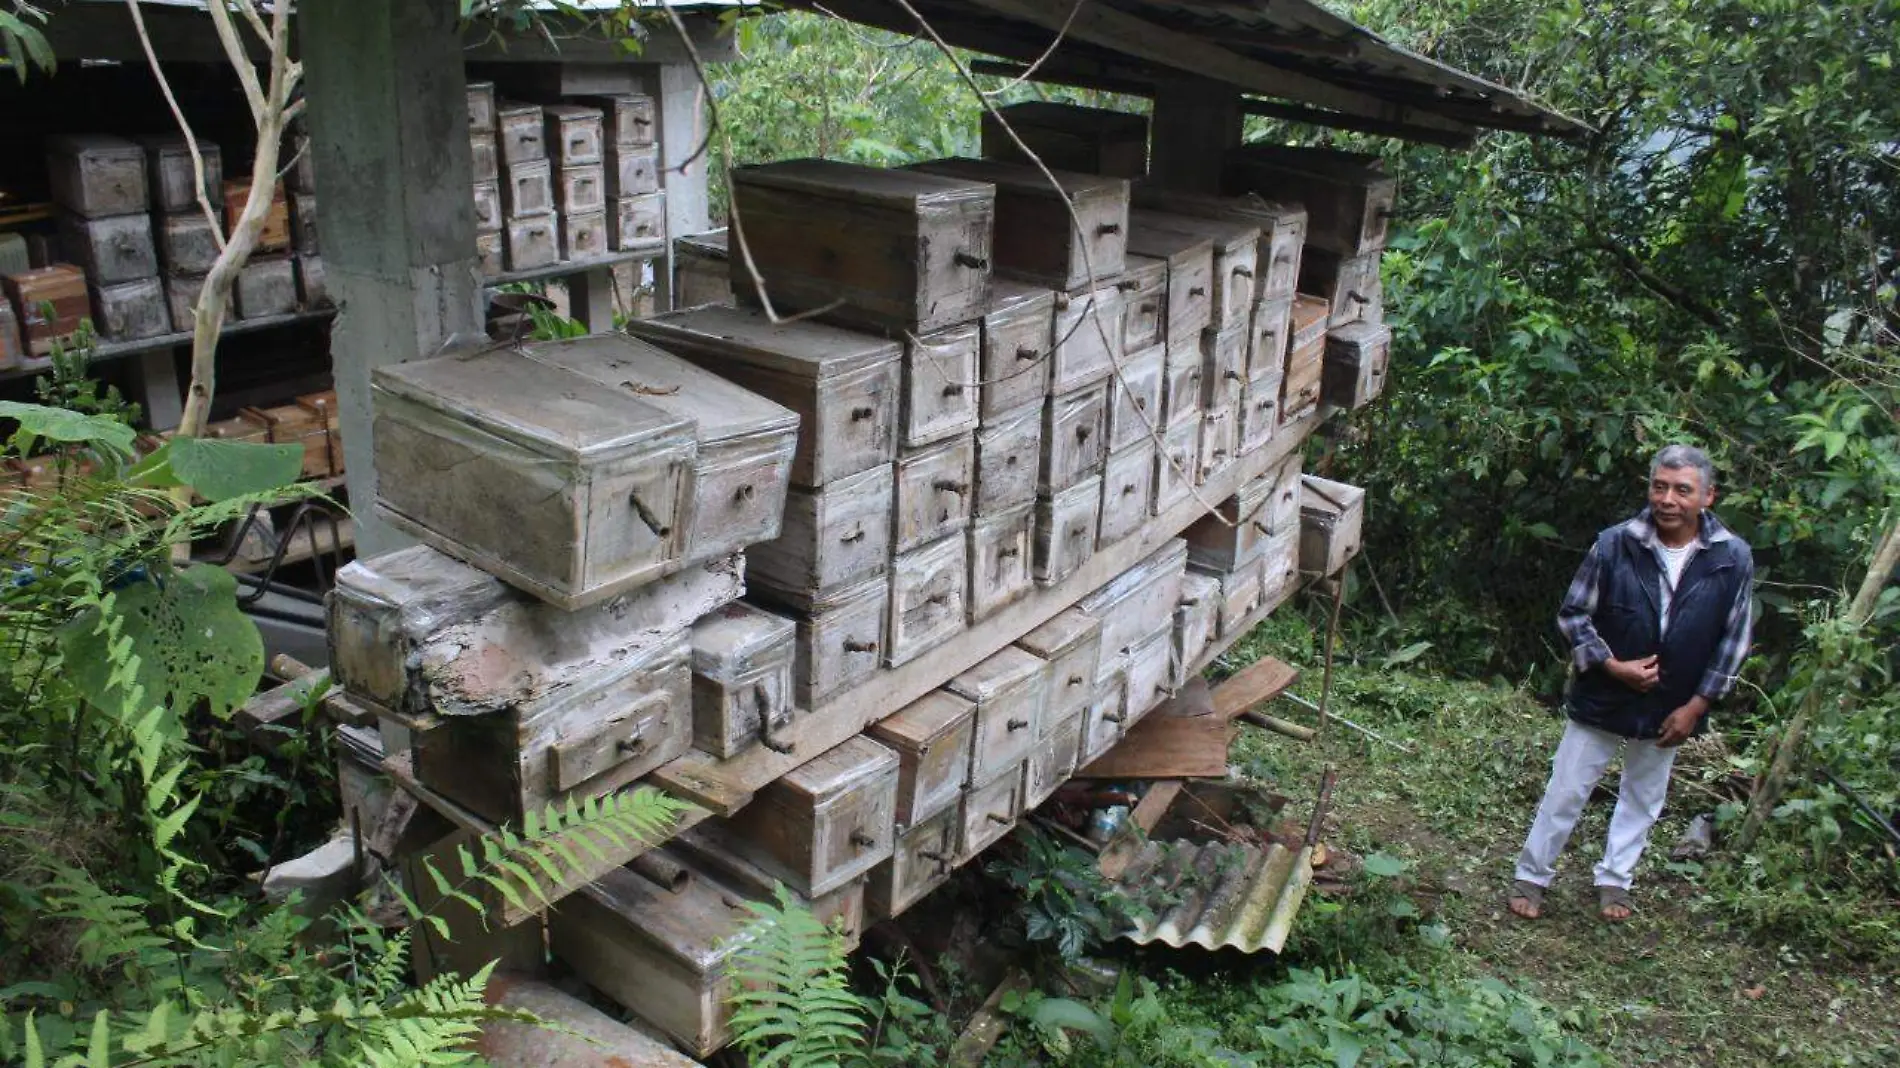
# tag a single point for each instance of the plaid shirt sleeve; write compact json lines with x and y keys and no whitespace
{"x":1737,"y":632}
{"x":1587,"y":648}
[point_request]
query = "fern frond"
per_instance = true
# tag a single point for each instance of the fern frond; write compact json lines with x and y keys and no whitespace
{"x":791,"y":998}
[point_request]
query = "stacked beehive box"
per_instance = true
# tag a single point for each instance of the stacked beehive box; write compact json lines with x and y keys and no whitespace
{"x":100,"y":184}
{"x":267,"y":284}
{"x":188,"y":239}
{"x":485,"y":161}
{"x":636,"y":209}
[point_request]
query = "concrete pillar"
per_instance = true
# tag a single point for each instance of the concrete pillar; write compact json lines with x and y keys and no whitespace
{"x":388,"y":118}
{"x":683,"y":126}
{"x":1195,"y":122}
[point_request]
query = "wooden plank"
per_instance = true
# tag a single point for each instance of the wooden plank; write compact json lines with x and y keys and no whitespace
{"x":1254,"y":685}
{"x":1154,"y":804}
{"x":1164,"y":746}
{"x":987,"y":1024}
{"x":724,"y":786}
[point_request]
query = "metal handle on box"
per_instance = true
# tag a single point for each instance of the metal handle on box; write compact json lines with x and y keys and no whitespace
{"x":973,"y":262}
{"x":852,"y":645}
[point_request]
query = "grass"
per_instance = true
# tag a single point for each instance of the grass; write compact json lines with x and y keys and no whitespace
{"x":1680,"y":984}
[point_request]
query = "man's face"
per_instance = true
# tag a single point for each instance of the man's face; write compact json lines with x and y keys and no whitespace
{"x":1677,"y":498}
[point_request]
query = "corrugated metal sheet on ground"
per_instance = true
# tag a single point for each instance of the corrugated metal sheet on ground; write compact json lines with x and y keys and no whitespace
{"x":1218,"y":895}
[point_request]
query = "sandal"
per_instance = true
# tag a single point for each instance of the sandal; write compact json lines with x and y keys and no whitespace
{"x":1609,"y":897}
{"x":1533,"y":897}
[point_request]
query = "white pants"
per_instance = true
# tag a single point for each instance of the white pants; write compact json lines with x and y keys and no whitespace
{"x":1581,"y":759}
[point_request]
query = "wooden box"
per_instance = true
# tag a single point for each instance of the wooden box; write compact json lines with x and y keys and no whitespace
{"x":940,"y":385}
{"x":182,"y":292}
{"x":187,"y":244}
{"x":97,"y":175}
{"x":1331,"y":514}
{"x":1064,"y":235}
{"x":1196,"y":615}
{"x":313,"y":290}
{"x":627,"y":118}
{"x":921,"y":861}
{"x":933,"y":737}
{"x":110,"y":250}
{"x":1235,"y":246}
{"x":928,"y":591}
{"x":1150,"y":672}
{"x":1223,"y":367}
{"x":1074,"y":438}
{"x":1088,"y":338}
{"x":303,"y":223}
{"x":274,"y":236}
{"x":520,"y":131}
{"x":573,"y":135}
{"x":823,"y":824}
{"x":1353,"y":373}
{"x":1177,"y":463}
{"x":742,"y":679}
{"x":1138,"y":600}
{"x":568,"y":491}
{"x":1239,"y":597}
{"x":481,"y":105}
{"x":1348,"y":196}
{"x":1008,"y":455}
{"x":844,"y":386}
{"x":387,"y":609}
{"x":592,"y":736}
{"x":840,"y":637}
{"x":130,"y":311}
{"x":266,"y":287}
{"x":484,"y":158}
{"x":1306,"y":355}
{"x":1017,"y":335}
{"x":580,"y":190}
{"x":1144,"y":288}
{"x":1065,"y":530}
{"x":1351,"y":285}
{"x":1272,"y":332}
{"x":638,"y":222}
{"x":294,"y":424}
{"x":1260,"y":409}
{"x":830,"y":536}
{"x":1052,"y":762}
{"x":1009,"y":689}
{"x":1000,"y":550}
{"x":12,"y":348}
{"x":323,"y":407}
{"x":1070,"y":137}
{"x":1107,"y":712}
{"x":745,"y":441}
{"x":700,"y":273}
{"x":1220,"y":441}
{"x":63,"y":287}
{"x":1128,"y":483}
{"x":1232,"y":536}
{"x":1181,"y":399}
{"x":989,"y":812}
{"x":490,"y":256}
{"x":934,"y":487}
{"x":1279,"y":570}
{"x":632,"y":170}
{"x":1190,"y":264}
{"x":1135,"y":391}
{"x":585,"y":236}
{"x":531,"y":243}
{"x":527,"y":189}
{"x":902,"y":250}
{"x":1282,"y":230}
{"x":172,"y":179}
{"x":1069,"y":644}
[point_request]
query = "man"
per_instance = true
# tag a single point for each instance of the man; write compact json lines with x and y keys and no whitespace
{"x":1658,"y":625}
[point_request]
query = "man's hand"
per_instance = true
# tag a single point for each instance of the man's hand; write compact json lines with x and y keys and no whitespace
{"x":1639,"y":675}
{"x":1681,"y":723}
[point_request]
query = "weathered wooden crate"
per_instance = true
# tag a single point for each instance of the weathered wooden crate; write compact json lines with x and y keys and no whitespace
{"x":1331,"y":514}
{"x":1065,"y":530}
{"x":1107,"y":712}
{"x":1008,"y":457}
{"x":1017,"y":338}
{"x":1196,"y":616}
{"x":1009,"y":689}
{"x":1177,"y":463}
{"x":700,"y":273}
{"x":1223,"y":367}
{"x":182,"y":292}
{"x":481,"y":105}
{"x":1070,"y":137}
{"x":580,"y":189}
{"x":844,"y":386}
{"x":531,"y":243}
{"x":527,"y":189}
{"x":637,"y":222}
{"x":842,"y":909}
{"x":1260,"y":409}
{"x":841,"y":635}
{"x":1135,"y":391}
{"x":1354,"y":370}
{"x":97,"y":175}
{"x":1088,"y":338}
{"x":585,"y":236}
{"x":295,"y":424}
{"x":1052,"y":761}
{"x":627,"y":117}
{"x":890,"y":249}
{"x":1144,"y":289}
{"x":110,"y":249}
{"x":1001,"y":546}
{"x":921,"y":861}
{"x":569,"y":491}
{"x":745,"y":441}
{"x":172,"y":181}
{"x":521,"y":132}
{"x":1128,"y":485}
{"x":742,"y":679}
{"x":933,"y":738}
{"x":1282,"y":229}
{"x":928,"y":598}
{"x":1305,"y":358}
{"x":1070,"y":644}
{"x":1074,"y":438}
{"x":989,"y":812}
{"x":266,"y":286}
{"x":935,"y":487}
{"x":1351,"y":285}
{"x":324,"y":409}
{"x":60,"y":286}
{"x":940,"y":385}
{"x":274,"y":236}
{"x":187,"y":244}
{"x":1150,"y":672}
{"x":1134,"y":602}
{"x":1039,"y":238}
{"x":1220,"y":442}
{"x":490,"y":254}
{"x":1235,"y":247}
{"x":1181,"y":399}
{"x":313,"y":289}
{"x":1233,"y":535}
{"x":573,"y":134}
{"x":1348,"y":196}
{"x":1239,"y":597}
{"x":132,"y":310}
{"x":1190,"y":264}
{"x":1279,"y":570}
{"x":831,"y":536}
{"x":632,"y":170}
{"x":484,"y":158}
{"x":1272,"y":332}
{"x":823,"y":824}
{"x":303,"y":223}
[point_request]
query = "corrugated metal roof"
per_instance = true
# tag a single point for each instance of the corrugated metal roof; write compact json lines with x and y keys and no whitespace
{"x":1217,"y":895}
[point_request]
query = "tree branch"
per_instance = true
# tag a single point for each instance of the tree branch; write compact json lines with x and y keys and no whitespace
{"x":178,"y":114}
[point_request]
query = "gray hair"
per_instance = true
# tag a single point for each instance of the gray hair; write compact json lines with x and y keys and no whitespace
{"x":1680,"y":456}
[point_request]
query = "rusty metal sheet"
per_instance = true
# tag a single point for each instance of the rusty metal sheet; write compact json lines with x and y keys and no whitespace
{"x":1217,"y":895}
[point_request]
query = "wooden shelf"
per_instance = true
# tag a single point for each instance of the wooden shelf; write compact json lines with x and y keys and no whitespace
{"x":567,"y":267}
{"x":725,"y":786}
{"x":114,"y":350}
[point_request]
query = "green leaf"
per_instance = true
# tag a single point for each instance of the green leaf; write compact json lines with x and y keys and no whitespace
{"x":1384,"y":866}
{"x":220,"y":470}
{"x":191,"y":640}
{"x":1067,"y":1014}
{"x":1407,"y":655}
{"x":68,"y":427}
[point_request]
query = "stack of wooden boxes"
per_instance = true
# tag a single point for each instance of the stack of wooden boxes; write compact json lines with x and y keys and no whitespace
{"x":267,"y":284}
{"x":100,"y":184}
{"x":188,"y":238}
{"x":636,"y":209}
{"x":485,"y":162}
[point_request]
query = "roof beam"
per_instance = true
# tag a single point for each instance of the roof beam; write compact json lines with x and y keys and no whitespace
{"x":1106,"y":27}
